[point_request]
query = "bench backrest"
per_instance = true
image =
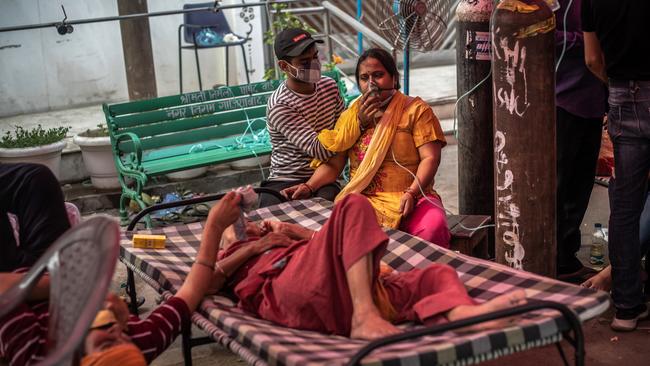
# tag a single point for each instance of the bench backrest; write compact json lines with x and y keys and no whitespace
{"x":193,"y":117}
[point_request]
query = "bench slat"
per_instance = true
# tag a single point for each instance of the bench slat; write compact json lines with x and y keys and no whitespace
{"x":193,"y":97}
{"x":184,"y":124}
{"x":179,"y":150}
{"x":199,"y":159}
{"x":192,"y":136}
{"x":194,"y":110}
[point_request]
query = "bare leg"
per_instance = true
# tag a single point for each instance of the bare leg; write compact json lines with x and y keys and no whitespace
{"x":501,"y":302}
{"x":601,"y":281}
{"x":367,"y":323}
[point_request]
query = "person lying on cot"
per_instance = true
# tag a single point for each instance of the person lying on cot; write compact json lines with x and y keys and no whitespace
{"x":115,"y":338}
{"x":329,"y":280}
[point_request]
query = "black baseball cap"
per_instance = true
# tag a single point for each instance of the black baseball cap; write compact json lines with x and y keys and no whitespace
{"x":292,"y":42}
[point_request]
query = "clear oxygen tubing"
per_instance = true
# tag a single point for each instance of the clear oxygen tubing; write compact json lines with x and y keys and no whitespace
{"x":566,"y":13}
{"x":417,"y":181}
{"x":258,"y":137}
{"x":374,"y":88}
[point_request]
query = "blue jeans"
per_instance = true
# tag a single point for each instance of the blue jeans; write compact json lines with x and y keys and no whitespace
{"x":629,"y":130}
{"x":644,"y":235}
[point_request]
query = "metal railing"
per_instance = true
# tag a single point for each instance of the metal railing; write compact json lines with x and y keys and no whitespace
{"x":328,"y":10}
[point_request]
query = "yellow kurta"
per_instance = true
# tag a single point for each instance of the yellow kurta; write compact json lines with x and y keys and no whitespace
{"x":417,"y":126}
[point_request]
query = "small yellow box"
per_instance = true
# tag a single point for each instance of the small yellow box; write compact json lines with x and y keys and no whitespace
{"x":145,"y":241}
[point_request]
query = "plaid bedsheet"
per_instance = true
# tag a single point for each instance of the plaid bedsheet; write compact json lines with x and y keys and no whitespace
{"x":263,"y":342}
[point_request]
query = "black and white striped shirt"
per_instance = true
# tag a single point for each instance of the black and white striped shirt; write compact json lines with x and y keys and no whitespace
{"x":293,"y":122}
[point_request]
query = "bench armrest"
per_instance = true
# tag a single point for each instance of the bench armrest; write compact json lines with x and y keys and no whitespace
{"x":135,"y":157}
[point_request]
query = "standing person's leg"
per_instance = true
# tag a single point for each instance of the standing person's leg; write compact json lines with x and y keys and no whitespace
{"x":644,"y":229}
{"x":428,"y":221}
{"x":578,"y":144}
{"x":629,"y":129}
{"x":567,"y":150}
{"x":603,"y":280}
{"x":644,"y":237}
{"x":33,"y":194}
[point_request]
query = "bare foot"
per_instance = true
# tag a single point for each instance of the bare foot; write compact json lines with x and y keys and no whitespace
{"x":501,"y":302}
{"x":370,"y":325}
{"x":601,"y":281}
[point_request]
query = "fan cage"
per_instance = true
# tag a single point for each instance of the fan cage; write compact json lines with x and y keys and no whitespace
{"x":416,"y":24}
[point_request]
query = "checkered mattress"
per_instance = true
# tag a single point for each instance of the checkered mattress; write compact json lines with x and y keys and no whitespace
{"x":261,"y":342}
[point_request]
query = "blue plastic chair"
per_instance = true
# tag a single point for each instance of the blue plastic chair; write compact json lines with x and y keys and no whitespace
{"x":215,"y":25}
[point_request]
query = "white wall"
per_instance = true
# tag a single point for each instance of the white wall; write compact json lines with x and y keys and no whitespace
{"x":49,"y":71}
{"x":41,"y":70}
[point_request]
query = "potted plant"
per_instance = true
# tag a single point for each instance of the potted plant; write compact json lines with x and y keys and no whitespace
{"x":97,"y":155}
{"x":35,"y":145}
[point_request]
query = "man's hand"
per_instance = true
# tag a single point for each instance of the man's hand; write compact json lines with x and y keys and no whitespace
{"x":225,"y":212}
{"x":271,"y":240}
{"x":297,"y":192}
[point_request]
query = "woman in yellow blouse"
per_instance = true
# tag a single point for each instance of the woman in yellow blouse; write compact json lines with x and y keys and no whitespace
{"x":393,"y":142}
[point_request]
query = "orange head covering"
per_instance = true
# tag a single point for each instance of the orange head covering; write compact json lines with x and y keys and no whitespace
{"x":126,"y":354}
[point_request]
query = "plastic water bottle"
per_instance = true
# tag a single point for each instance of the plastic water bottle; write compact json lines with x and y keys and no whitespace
{"x":207,"y":37}
{"x":599,"y":240}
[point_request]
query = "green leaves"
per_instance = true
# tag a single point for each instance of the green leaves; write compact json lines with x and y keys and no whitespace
{"x":283,"y":20}
{"x":22,"y":137}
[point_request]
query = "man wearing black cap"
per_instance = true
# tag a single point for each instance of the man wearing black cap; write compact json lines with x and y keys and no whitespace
{"x":302,"y":106}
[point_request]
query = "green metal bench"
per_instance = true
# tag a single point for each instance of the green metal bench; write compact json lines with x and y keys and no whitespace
{"x":180,"y":132}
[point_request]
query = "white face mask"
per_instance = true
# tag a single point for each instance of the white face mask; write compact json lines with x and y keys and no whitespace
{"x":310,"y":74}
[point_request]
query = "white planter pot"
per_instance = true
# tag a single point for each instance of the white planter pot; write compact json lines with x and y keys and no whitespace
{"x":48,"y":155}
{"x":98,"y":159}
{"x":187,"y":174}
{"x":251,"y":163}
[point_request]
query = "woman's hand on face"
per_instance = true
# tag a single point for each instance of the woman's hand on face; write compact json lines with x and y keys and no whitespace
{"x":406,"y":204}
{"x":297,"y":192}
{"x":368,"y":109}
{"x":271,"y":240}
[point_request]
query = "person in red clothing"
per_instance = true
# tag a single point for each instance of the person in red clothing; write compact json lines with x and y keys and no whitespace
{"x":342,"y":293}
{"x":125,"y":339}
{"x":330,"y":281}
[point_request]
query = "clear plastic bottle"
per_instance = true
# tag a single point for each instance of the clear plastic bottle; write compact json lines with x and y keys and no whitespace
{"x":599,"y":240}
